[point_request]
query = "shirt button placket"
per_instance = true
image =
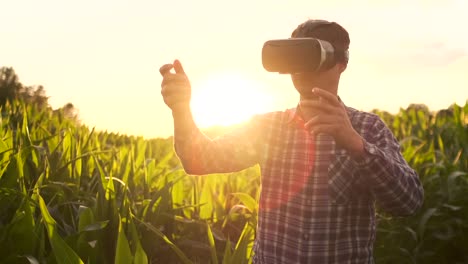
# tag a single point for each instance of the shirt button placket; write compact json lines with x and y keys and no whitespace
{"x":305,"y":236}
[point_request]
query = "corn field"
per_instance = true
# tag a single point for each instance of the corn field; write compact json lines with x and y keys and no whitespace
{"x":70,"y":194}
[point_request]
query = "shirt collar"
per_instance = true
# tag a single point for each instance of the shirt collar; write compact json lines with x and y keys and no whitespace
{"x":293,"y":115}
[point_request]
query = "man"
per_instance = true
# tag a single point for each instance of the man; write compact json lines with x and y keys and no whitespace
{"x":324,"y":165}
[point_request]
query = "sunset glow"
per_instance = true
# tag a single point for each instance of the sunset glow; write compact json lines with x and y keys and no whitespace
{"x":227,"y":99}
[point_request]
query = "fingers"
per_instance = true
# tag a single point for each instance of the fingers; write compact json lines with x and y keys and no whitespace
{"x":317,"y":105}
{"x":176,"y":89}
{"x":323,"y":124}
{"x":329,"y":97}
{"x":174,"y":79}
{"x":165,"y":69}
{"x":325,"y":129}
{"x":320,"y":120}
{"x":178,"y":67}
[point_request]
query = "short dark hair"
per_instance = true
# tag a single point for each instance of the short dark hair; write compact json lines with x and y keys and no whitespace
{"x":324,"y":30}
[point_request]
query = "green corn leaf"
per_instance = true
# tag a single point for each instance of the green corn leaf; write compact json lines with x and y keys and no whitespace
{"x":22,"y":228}
{"x":110,"y":190}
{"x":179,"y":252}
{"x":244,"y":245}
{"x":86,"y":218}
{"x":25,"y":130}
{"x":126,"y":165}
{"x":206,"y":211}
{"x":423,"y":221}
{"x":214,"y":257}
{"x":247,"y":200}
{"x":140,"y":256}
{"x":441,"y":145}
{"x":227,"y":258}
{"x":31,"y":259}
{"x":62,"y":252}
{"x":123,"y":255}
{"x":78,"y":163}
{"x":95,"y":226}
{"x":452,"y":186}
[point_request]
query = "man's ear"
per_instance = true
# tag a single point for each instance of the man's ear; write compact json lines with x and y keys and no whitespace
{"x":342,"y":67}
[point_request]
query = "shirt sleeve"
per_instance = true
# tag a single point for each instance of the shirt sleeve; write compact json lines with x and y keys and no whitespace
{"x":394,"y":184}
{"x":231,"y":152}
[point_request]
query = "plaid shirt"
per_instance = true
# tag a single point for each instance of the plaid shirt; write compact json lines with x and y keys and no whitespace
{"x":316,"y":203}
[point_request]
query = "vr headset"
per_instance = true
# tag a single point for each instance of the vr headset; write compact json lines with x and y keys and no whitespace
{"x":296,"y":55}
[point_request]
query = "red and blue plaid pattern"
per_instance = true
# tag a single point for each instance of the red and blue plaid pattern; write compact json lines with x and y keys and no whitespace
{"x":317,"y":202}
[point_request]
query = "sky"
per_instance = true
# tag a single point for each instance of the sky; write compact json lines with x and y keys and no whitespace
{"x":104,"y":56}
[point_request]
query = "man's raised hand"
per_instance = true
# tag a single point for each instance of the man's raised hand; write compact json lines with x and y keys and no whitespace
{"x":175,"y":87}
{"x":332,"y":118}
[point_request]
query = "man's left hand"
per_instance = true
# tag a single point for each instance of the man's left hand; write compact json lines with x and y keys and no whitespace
{"x":332,"y":119}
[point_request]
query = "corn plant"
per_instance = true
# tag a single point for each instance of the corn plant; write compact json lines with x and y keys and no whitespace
{"x":70,"y":194}
{"x":73,"y":195}
{"x":436,"y":146}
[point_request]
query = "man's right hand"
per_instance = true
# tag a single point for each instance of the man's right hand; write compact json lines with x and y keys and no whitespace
{"x":175,"y":87}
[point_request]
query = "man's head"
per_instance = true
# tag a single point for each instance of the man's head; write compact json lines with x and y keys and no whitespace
{"x":339,"y":38}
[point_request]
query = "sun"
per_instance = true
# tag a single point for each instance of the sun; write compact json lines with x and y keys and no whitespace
{"x":227,"y":99}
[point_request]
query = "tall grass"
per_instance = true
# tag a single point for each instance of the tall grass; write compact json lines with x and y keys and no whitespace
{"x":69,"y":194}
